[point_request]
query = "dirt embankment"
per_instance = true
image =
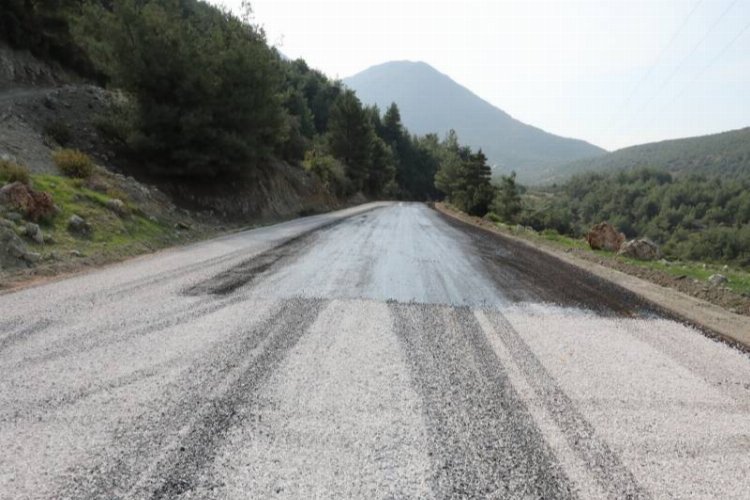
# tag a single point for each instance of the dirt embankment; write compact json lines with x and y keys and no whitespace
{"x":44,"y":108}
{"x":708,"y":311}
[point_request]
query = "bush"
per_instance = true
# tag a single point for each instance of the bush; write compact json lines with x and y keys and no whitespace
{"x":13,"y":172}
{"x":492,"y":217}
{"x":329,"y":170}
{"x":73,"y":163}
{"x":59,"y":131}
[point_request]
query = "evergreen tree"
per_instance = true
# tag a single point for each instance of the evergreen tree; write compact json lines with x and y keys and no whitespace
{"x":350,"y":137}
{"x":465,"y":177}
{"x":507,"y":202}
{"x":205,"y":83}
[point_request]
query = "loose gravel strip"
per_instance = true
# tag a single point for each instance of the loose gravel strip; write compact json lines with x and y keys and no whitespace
{"x":338,"y":418}
{"x":613,"y":477}
{"x":483,"y":441}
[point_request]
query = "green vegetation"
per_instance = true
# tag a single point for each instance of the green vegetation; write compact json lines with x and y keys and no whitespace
{"x":208,"y":100}
{"x":507,"y":203}
{"x":13,"y":172}
{"x":112,"y":236}
{"x":739,"y":278}
{"x":438,"y":104}
{"x":694,"y":217}
{"x":73,"y":163}
{"x":465,"y":177}
{"x":42,"y":27}
{"x":726,"y":154}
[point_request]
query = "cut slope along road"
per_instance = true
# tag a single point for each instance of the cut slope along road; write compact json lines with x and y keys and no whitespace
{"x":383,"y":351}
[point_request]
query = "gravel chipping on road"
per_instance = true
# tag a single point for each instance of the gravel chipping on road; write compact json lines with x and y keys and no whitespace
{"x":379,"y":352}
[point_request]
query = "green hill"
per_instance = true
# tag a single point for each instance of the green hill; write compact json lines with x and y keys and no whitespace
{"x":726,"y":154}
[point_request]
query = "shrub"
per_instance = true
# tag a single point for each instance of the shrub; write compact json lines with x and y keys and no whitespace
{"x":492,"y":217}
{"x":13,"y":172}
{"x":329,"y":170}
{"x":73,"y":163}
{"x":59,"y":131}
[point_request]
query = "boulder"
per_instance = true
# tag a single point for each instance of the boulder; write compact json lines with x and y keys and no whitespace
{"x":78,"y":225}
{"x":34,"y":233}
{"x":604,"y":236}
{"x":717,"y":280}
{"x":13,"y":253}
{"x":118,"y":207}
{"x":641,"y":249}
{"x":33,"y":204}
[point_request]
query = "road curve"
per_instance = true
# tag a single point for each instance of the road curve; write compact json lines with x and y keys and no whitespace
{"x":379,"y":352}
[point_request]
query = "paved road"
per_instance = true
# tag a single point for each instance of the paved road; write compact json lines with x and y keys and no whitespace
{"x":390,"y":354}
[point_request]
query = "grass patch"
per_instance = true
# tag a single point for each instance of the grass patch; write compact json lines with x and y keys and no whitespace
{"x":112,"y":236}
{"x":73,"y":163}
{"x":739,"y":279}
{"x":13,"y":172}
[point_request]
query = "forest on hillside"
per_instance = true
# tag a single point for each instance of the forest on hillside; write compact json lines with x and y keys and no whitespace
{"x":726,"y":153}
{"x":695,"y":217}
{"x":210,"y":100}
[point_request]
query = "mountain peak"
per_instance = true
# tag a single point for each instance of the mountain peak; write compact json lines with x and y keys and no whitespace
{"x":431,"y":101}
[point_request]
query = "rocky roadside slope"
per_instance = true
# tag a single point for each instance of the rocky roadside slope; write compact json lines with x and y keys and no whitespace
{"x":721,"y":296}
{"x":43,"y":109}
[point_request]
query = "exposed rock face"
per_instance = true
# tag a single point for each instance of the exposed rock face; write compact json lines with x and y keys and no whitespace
{"x":20,"y":68}
{"x":641,"y":249}
{"x":604,"y":236}
{"x":33,"y":204}
{"x":77,"y":225}
{"x":13,"y":252}
{"x":34,"y":233}
{"x":718,"y":280}
{"x":118,"y":207}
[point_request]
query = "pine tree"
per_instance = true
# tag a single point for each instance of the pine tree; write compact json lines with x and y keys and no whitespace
{"x":507,"y":202}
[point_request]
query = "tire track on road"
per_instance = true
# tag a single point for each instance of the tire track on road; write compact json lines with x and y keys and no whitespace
{"x":483,"y":439}
{"x":611,"y":474}
{"x":161,"y":454}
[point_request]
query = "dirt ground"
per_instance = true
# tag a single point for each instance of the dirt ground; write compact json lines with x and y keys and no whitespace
{"x":719,"y":296}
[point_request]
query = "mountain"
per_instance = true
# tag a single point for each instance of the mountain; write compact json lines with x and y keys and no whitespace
{"x":432,"y":102}
{"x":727,"y":153}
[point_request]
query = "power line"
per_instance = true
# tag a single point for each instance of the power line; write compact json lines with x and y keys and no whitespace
{"x":663,"y":51}
{"x":686,"y":58}
{"x":707,"y":67}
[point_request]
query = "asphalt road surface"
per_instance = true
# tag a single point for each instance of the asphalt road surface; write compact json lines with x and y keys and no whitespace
{"x":380,"y":352}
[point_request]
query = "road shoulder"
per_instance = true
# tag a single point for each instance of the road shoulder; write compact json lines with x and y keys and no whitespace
{"x":713,"y":319}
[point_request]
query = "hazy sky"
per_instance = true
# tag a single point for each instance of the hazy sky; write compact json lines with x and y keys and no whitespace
{"x":612,"y":72}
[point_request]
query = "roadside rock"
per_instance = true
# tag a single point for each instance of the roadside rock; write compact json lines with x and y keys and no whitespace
{"x":13,"y":216}
{"x":78,"y":225}
{"x":33,"y":204}
{"x":182,"y":226}
{"x":13,"y":253}
{"x":34,"y":233}
{"x":641,"y":249}
{"x":604,"y":236}
{"x":717,"y":280}
{"x":118,"y":207}
{"x":32,"y":257}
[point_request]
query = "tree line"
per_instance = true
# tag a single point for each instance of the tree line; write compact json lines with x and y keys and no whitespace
{"x":699,"y":217}
{"x":210,"y":100}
